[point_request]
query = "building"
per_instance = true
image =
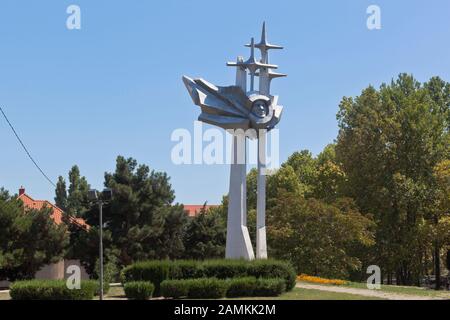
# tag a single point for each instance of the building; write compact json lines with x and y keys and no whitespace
{"x":194,"y":209}
{"x":56,"y":270}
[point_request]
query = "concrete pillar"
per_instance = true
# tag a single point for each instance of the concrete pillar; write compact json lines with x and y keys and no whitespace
{"x":238,"y":239}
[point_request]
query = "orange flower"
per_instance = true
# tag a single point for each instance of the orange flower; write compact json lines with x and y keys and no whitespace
{"x":307,"y":278}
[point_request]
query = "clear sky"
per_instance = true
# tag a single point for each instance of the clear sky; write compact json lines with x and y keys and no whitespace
{"x":114,"y":87}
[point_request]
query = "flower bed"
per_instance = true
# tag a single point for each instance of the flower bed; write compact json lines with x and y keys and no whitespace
{"x":307,"y":278}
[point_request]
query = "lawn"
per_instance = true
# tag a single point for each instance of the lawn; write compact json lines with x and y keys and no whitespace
{"x":295,"y":294}
{"x":312,"y":294}
{"x":116,"y":293}
{"x":418,"y":291}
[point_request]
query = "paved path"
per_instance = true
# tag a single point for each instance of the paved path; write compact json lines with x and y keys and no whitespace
{"x":366,"y":292}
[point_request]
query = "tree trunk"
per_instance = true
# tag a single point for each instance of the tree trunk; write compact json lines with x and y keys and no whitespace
{"x":437,"y":265}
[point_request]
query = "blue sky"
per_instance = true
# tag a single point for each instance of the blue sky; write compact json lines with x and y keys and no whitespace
{"x":114,"y":87}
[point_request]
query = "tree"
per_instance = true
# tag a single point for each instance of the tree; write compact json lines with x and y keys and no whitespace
{"x":75,"y":203}
{"x":205,"y":235}
{"x":77,"y":199}
{"x":61,"y":194}
{"x":29,"y":239}
{"x":389,"y":141}
{"x":140,"y":218}
{"x":330,"y":178}
{"x":305,"y":166}
{"x":318,"y":238}
{"x":440,"y":215}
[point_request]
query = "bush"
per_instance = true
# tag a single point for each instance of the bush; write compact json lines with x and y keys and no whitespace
{"x":206,"y":288}
{"x":273,"y":269}
{"x":51,"y":290}
{"x":158,"y":271}
{"x":241,"y":287}
{"x":152,"y":271}
{"x":225,"y":268}
{"x":139,"y":290}
{"x":175,"y":288}
{"x":185,"y":269}
{"x":269,"y":287}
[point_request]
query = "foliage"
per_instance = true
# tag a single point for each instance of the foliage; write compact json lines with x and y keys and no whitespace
{"x":271,"y":268}
{"x":205,"y":236}
{"x":151,"y":271}
{"x":269,"y":287}
{"x":241,"y":287}
{"x":139,"y":223}
{"x":29,"y":239}
{"x":51,"y":290}
{"x":185,"y":269}
{"x":317,"y":238}
{"x":207,"y":288}
{"x":225,"y":268}
{"x":158,"y":271}
{"x":138,"y":290}
{"x":175,"y":288}
{"x":388,"y":144}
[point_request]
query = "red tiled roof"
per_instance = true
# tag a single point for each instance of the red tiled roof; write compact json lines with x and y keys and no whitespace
{"x":57,"y":213}
{"x":194,"y":209}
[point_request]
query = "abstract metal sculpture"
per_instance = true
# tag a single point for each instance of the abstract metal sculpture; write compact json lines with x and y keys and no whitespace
{"x":248,"y":113}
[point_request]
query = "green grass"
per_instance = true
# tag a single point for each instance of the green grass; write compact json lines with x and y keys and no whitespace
{"x":312,"y":294}
{"x":295,"y":294}
{"x":418,"y":291}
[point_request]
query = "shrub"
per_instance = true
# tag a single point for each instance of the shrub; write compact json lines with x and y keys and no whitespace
{"x":241,"y":287}
{"x":175,"y":288}
{"x":158,"y":271}
{"x":139,"y":290}
{"x":225,"y":268}
{"x":51,"y":290}
{"x":269,"y":287}
{"x":185,"y":269}
{"x":207,"y":288}
{"x":273,"y":269}
{"x":152,"y":271}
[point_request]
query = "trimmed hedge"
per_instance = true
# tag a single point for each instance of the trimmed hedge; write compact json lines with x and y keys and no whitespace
{"x":213,"y":288}
{"x":202,"y":288}
{"x":274,"y":269}
{"x":241,"y":287}
{"x":186,"y":269}
{"x":52,"y":290}
{"x":175,"y":288}
{"x":207,"y":288}
{"x":139,"y":290}
{"x":154,"y":271}
{"x":157,"y":271}
{"x":269,"y":287}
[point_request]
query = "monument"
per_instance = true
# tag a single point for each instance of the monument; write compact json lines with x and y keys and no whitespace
{"x":245,"y":113}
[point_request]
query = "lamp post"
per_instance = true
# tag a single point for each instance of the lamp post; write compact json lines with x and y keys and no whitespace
{"x":105,"y":196}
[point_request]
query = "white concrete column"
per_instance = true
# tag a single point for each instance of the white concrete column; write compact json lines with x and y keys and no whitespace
{"x":261,"y":242}
{"x":238,"y":239}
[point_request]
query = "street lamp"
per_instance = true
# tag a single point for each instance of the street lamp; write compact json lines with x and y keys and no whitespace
{"x":100,"y":199}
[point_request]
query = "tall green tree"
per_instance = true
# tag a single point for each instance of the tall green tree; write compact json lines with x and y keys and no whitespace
{"x":29,"y":239}
{"x":388,"y":144}
{"x":318,"y":238}
{"x":61,"y":194}
{"x":141,"y":218}
{"x":205,"y":235}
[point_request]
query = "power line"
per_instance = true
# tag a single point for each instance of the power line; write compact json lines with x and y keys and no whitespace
{"x":26,"y":150}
